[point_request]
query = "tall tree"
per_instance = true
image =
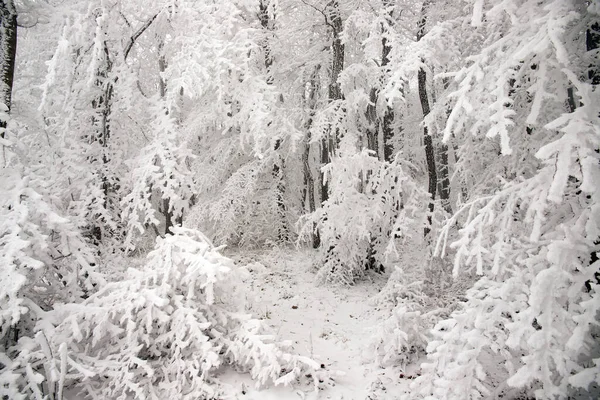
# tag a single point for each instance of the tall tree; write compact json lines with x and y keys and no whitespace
{"x":443,"y":167}
{"x":381,"y":125}
{"x":427,"y":137}
{"x":310,"y":96}
{"x":8,"y":51}
{"x":266,"y":17}
{"x":333,"y":19}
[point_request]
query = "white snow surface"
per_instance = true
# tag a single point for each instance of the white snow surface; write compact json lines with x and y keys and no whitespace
{"x":331,"y":324}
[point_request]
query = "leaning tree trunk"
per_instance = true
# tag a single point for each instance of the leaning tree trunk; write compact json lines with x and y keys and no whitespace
{"x":8,"y":51}
{"x":328,"y":144}
{"x":427,"y":139}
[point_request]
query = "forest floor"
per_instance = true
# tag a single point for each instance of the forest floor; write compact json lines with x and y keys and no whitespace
{"x":330,"y":324}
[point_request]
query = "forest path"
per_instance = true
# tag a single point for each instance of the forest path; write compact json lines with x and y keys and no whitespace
{"x":330,"y":324}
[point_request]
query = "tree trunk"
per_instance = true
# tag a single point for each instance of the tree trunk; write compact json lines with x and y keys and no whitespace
{"x":337,"y":47}
{"x":388,"y":116}
{"x":443,"y":176}
{"x":309,"y":182}
{"x":373,"y":128}
{"x":443,"y":166}
{"x":427,"y":139}
{"x":380,"y":128}
{"x":162,"y":91}
{"x":102,"y":106}
{"x":592,"y":42}
{"x":268,"y":25}
{"x":8,"y":51}
{"x":328,"y":144}
{"x":383,"y":125}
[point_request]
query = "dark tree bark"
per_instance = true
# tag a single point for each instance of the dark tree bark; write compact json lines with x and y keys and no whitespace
{"x":380,"y":127}
{"x":136,"y":35}
{"x":427,"y":139}
{"x":373,"y":128}
{"x":444,"y":176}
{"x":443,"y":166}
{"x":268,"y":25}
{"x":388,"y":117}
{"x":592,"y":42}
{"x":384,"y":124}
{"x":328,"y":144}
{"x":8,"y":51}
{"x":102,"y":106}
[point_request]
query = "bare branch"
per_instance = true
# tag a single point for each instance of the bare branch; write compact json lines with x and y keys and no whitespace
{"x":322,"y":12}
{"x":137,"y":34}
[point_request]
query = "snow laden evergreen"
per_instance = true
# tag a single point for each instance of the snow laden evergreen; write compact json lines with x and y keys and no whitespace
{"x":168,"y":329}
{"x":531,"y":321}
{"x":44,"y":260}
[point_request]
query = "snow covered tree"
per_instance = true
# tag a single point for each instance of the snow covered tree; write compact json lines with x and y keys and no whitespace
{"x":44,"y":259}
{"x":168,"y":329}
{"x":8,"y":49}
{"x":244,"y":119}
{"x":535,"y":308}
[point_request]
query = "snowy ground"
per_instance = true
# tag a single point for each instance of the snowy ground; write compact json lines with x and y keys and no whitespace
{"x":329,"y":324}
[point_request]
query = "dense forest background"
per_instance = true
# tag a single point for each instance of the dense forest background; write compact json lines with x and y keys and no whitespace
{"x":452,"y":145}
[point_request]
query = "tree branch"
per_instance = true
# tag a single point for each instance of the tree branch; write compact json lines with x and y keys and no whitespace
{"x":322,"y":12}
{"x":136,"y":35}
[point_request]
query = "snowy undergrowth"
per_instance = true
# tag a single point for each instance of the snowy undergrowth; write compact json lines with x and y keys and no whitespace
{"x":419,"y":292}
{"x":166,"y":331}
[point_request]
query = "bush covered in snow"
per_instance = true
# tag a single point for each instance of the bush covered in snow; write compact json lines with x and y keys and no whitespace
{"x":417,"y":297}
{"x":371,"y":204}
{"x":167,"y":330}
{"x":43,"y":260}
